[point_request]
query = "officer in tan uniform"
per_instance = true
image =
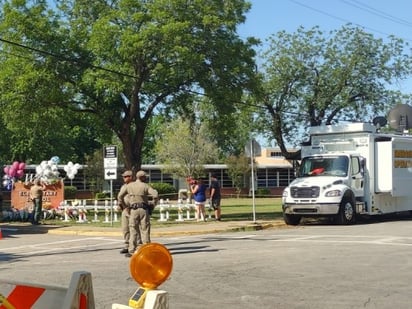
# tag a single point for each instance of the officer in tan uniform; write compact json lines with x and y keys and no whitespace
{"x":127,"y":178}
{"x":138,"y":193}
{"x":36,"y":195}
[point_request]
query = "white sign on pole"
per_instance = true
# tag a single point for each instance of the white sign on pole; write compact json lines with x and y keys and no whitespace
{"x":110,"y":162}
{"x":251,"y":150}
{"x":110,"y":173}
{"x":110,"y":170}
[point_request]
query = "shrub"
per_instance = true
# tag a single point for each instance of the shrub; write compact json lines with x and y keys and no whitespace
{"x":262,"y":192}
{"x":70,"y":192}
{"x":164,"y":189}
{"x":102,"y":195}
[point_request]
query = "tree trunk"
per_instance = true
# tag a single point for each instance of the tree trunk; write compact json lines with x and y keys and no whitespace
{"x":132,"y":149}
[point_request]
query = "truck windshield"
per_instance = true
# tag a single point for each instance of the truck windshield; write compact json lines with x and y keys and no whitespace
{"x":324,"y":166}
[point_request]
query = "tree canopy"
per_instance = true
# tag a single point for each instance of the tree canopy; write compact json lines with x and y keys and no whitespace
{"x":183,"y":149}
{"x":123,"y":61}
{"x":311,"y":78}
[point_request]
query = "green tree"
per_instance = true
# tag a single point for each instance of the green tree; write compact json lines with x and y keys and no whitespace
{"x":237,"y":168}
{"x":94,"y":170}
{"x":34,"y":125}
{"x":230,"y":130}
{"x":36,"y":135}
{"x":184,"y":149}
{"x":122,"y":61}
{"x":312,"y":78}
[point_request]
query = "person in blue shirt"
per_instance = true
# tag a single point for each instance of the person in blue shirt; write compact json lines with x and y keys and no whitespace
{"x":198,"y":189}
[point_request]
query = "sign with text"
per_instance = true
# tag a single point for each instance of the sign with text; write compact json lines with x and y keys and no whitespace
{"x":53,"y":195}
{"x":110,"y":162}
{"x":110,"y":151}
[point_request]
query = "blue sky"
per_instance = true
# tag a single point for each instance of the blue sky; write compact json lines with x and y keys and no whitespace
{"x":379,"y":17}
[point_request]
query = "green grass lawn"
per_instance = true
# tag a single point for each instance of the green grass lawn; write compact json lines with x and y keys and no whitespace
{"x":242,"y":209}
{"x":233,"y":209}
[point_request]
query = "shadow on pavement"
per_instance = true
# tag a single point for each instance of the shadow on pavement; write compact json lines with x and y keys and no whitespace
{"x":17,"y":228}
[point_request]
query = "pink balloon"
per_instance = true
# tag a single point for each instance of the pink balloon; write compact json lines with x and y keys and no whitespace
{"x":15,"y":165}
{"x":22,"y":166}
{"x":6,"y":169}
{"x":12,"y":171}
{"x":19,"y":173}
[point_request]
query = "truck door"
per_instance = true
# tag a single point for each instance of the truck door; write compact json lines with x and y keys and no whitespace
{"x":357,"y":177}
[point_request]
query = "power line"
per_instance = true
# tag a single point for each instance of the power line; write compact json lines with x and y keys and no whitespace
{"x":373,"y":11}
{"x":80,"y":62}
{"x":342,"y":19}
{"x":63,"y":58}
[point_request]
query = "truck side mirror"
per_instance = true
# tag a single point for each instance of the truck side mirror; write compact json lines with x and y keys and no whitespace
{"x":362,"y":165}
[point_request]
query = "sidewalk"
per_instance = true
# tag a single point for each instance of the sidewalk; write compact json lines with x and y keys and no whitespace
{"x":176,"y":229}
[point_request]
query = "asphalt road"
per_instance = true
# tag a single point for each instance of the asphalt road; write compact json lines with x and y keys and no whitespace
{"x":310,"y":266}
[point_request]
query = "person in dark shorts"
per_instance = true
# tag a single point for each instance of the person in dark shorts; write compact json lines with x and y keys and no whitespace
{"x":215,"y":196}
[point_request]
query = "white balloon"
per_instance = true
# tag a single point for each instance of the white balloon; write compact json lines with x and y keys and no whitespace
{"x":39,"y":169}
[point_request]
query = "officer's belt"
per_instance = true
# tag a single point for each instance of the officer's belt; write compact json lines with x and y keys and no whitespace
{"x":138,"y":205}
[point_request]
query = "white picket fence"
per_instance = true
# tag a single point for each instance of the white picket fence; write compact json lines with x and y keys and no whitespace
{"x":182,"y":208}
{"x":82,"y":211}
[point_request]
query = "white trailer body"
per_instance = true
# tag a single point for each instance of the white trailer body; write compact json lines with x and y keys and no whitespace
{"x":349,"y":170}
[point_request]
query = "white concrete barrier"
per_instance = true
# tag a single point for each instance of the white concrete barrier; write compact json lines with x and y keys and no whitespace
{"x":22,"y":295}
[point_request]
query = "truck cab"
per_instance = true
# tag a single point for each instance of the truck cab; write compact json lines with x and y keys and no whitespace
{"x":351,"y":170}
{"x":329,"y":184}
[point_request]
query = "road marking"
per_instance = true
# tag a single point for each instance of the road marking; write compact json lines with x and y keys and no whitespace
{"x":35,"y":249}
{"x":355,"y":239}
{"x":329,"y":238}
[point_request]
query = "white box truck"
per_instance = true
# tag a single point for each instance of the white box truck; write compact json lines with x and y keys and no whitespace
{"x":350,"y":170}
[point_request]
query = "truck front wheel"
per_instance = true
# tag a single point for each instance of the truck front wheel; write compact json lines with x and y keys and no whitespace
{"x":291,"y":219}
{"x":346,"y":212}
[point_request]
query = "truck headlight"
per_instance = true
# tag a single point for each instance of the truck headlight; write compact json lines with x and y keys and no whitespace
{"x":285,"y":194}
{"x":333,"y":193}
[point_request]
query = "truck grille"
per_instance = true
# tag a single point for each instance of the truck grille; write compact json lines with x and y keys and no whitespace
{"x":306,"y":192}
{"x":305,"y":210}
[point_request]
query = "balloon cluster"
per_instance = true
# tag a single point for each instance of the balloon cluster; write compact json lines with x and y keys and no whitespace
{"x":48,"y":171}
{"x":12,"y":172}
{"x":16,"y":170}
{"x":71,"y":169}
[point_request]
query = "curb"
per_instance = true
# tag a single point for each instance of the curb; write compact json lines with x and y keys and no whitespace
{"x":159,"y":233}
